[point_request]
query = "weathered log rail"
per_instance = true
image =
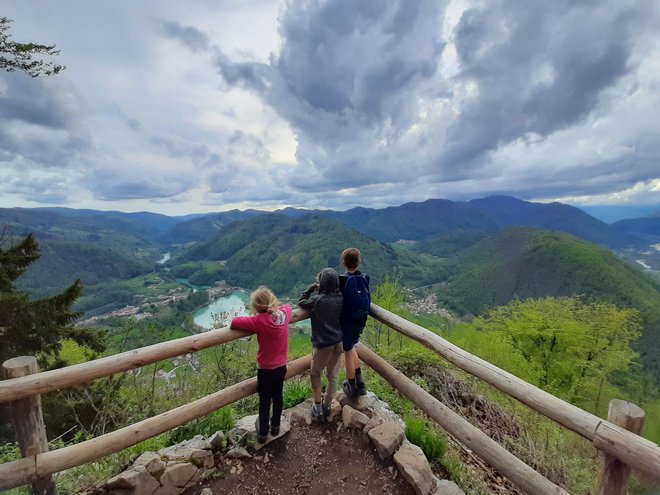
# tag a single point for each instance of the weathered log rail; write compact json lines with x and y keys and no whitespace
{"x":607,"y":437}
{"x":624,"y":450}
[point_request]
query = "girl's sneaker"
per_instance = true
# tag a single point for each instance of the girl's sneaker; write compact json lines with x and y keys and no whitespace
{"x":274,"y":430}
{"x":326,"y":411}
{"x":260,"y":438}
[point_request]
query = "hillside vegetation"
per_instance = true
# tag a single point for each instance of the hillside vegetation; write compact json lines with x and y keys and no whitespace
{"x":62,"y":262}
{"x":286,"y":253}
{"x":524,"y":262}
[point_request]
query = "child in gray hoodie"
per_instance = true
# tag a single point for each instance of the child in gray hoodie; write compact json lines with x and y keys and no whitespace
{"x":324,"y":301}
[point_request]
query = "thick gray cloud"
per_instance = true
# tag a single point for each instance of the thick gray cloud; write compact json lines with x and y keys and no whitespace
{"x":349,"y":78}
{"x":374,"y":98}
{"x":536,"y":66}
{"x":40,"y":124}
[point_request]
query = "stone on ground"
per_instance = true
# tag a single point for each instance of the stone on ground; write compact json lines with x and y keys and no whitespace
{"x":151,"y":462}
{"x":446,"y":487}
{"x":414,"y":467}
{"x":195,"y":450}
{"x":176,"y":477}
{"x":136,"y":481}
{"x":387,"y":437}
{"x":217,"y":440}
{"x":352,"y":418}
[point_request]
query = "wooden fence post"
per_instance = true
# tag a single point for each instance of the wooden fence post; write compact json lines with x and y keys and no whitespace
{"x":28,"y":420}
{"x":613,"y":478}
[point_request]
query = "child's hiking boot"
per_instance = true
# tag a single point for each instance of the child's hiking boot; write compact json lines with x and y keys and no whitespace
{"x":350,"y":389}
{"x":274,"y":430}
{"x":260,"y":438}
{"x":359,"y":383}
{"x":317,"y":413}
{"x":326,"y":410}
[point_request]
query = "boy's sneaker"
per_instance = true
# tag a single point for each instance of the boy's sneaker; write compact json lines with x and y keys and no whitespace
{"x":361,"y":388}
{"x":260,"y":438}
{"x":274,"y":430}
{"x":350,"y":390}
{"x":326,"y":410}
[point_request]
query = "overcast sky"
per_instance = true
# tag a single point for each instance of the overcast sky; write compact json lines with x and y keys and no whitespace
{"x":181,"y":107}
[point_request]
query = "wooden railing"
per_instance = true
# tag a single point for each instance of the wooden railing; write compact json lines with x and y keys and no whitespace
{"x":623,"y":449}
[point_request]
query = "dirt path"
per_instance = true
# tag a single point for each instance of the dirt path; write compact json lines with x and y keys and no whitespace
{"x":311,"y":459}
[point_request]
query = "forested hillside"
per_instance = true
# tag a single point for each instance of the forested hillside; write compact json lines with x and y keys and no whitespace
{"x":62,"y":262}
{"x":524,"y":262}
{"x":286,"y":253}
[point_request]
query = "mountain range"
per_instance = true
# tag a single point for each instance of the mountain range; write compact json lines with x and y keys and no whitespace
{"x":473,"y":254}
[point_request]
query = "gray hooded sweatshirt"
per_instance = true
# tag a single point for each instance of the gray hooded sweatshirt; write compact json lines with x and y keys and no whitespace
{"x":323,"y":300}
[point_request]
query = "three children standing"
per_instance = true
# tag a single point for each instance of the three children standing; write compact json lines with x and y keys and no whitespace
{"x":338,"y":307}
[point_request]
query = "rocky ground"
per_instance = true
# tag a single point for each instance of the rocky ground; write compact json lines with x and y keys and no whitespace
{"x":328,"y":459}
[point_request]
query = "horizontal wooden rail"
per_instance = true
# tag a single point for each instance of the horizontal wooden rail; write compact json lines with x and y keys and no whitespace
{"x":29,"y":469}
{"x":632,"y":449}
{"x":48,"y":381}
{"x":497,"y":456}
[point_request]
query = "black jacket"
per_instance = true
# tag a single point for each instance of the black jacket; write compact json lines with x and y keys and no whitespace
{"x":324,"y":301}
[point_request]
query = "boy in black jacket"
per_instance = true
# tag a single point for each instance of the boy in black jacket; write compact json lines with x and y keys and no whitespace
{"x":324,"y":302}
{"x":351,"y":326}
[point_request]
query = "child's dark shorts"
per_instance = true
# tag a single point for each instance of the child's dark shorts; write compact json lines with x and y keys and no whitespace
{"x":351,"y":336}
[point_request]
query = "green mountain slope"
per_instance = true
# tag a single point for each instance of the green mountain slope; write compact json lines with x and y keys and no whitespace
{"x":415,"y":221}
{"x":128,"y":235}
{"x":286,"y":253}
{"x":531,"y":263}
{"x":506,"y":211}
{"x":645,"y":230}
{"x":205,"y":226}
{"x":62,"y":262}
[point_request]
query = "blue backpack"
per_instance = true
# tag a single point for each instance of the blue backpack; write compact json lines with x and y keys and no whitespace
{"x":357,"y":299}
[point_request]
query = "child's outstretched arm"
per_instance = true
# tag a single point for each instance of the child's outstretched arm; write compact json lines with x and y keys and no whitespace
{"x":308,"y":298}
{"x":246,"y":323}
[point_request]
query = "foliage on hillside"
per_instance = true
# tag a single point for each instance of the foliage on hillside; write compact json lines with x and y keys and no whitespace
{"x":566,"y":346}
{"x":36,"y":327}
{"x":121,"y":233}
{"x":62,"y":261}
{"x":416,"y":221}
{"x":531,"y":263}
{"x":203,"y":227}
{"x":450,"y":244}
{"x":286,"y":253}
{"x":506,"y":212}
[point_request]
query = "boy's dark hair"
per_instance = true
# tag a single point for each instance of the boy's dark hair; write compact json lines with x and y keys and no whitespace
{"x":351,"y":258}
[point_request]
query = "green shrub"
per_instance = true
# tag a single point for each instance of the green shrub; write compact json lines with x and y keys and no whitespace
{"x":296,"y":390}
{"x":421,"y":433}
{"x":223,"y":419}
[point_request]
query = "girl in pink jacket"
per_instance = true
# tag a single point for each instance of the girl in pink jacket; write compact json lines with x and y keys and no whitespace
{"x":270,"y":321}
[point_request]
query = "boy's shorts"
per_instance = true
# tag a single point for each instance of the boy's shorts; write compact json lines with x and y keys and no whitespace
{"x":351,"y":337}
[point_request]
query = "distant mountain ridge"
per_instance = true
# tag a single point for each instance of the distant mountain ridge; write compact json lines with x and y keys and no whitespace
{"x":416,"y":221}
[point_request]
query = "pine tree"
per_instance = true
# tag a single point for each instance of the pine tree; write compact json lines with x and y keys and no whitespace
{"x":36,"y":328}
{"x":19,"y":56}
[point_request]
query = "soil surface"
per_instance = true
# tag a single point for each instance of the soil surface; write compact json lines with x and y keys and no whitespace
{"x":311,"y":459}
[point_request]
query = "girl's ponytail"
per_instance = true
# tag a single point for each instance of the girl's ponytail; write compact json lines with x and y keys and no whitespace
{"x":262,"y":300}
